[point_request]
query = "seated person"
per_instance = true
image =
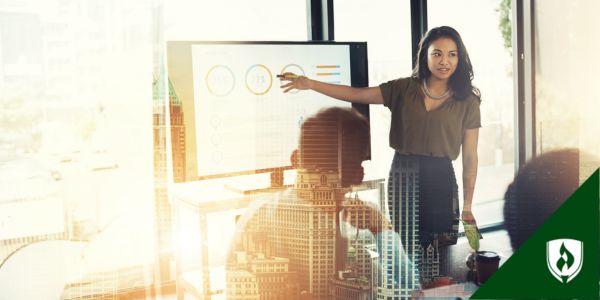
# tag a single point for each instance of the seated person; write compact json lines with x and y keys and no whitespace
{"x":539,"y":188}
{"x":296,"y":244}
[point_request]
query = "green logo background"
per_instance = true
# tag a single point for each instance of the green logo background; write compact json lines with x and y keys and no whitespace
{"x":526,"y":276}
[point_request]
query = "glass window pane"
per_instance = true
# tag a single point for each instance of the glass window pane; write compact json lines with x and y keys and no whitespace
{"x":234,"y":20}
{"x":480,"y":28}
{"x":76,"y":143}
{"x":229,"y":20}
{"x":385,"y":26}
{"x":565,"y":74}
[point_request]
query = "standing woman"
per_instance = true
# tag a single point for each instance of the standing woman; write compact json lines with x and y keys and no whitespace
{"x":434,"y":112}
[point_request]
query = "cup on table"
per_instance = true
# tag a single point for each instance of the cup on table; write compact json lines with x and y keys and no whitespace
{"x":487,"y":263}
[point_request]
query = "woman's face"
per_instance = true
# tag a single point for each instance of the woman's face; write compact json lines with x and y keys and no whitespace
{"x":442,"y":58}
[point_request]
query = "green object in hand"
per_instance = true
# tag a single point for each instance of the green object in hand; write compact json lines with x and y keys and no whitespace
{"x":473,"y":235}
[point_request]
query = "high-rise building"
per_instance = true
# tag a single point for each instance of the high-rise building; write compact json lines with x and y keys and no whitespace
{"x":253,"y":275}
{"x":359,"y":240}
{"x":272,"y":274}
{"x":399,"y":275}
{"x":300,"y":225}
{"x":162,"y":207}
{"x":346,"y":285}
{"x":430,"y":262}
{"x":177,"y":135}
{"x":306,"y":230}
{"x":242,"y":285}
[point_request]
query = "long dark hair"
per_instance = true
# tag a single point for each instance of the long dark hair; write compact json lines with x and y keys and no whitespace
{"x":460,"y":81}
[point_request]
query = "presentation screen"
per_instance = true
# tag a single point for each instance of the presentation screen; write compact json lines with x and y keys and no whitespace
{"x":235,"y":116}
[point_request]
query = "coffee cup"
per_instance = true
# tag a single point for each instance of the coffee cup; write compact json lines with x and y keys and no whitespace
{"x":487,"y":263}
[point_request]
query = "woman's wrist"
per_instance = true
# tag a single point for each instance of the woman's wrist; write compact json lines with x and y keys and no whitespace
{"x":310,"y":83}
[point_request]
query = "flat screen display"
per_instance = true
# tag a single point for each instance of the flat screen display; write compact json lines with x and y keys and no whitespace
{"x":236,"y":117}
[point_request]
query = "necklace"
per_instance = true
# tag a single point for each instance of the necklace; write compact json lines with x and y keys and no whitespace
{"x":442,"y":96}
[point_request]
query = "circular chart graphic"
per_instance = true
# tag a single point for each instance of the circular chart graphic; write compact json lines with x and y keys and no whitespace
{"x":293,"y":68}
{"x":259,"y":79}
{"x":220,"y":80}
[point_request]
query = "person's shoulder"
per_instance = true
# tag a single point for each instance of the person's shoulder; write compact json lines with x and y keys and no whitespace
{"x":403,"y":81}
{"x":409,"y":81}
{"x":394,"y":91}
{"x":472,"y":99}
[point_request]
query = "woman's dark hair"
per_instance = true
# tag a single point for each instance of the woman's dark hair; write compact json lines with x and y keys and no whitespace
{"x":460,"y":81}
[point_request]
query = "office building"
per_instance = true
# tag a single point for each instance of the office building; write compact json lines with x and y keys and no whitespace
{"x":399,"y":277}
{"x":257,"y":276}
{"x":346,"y":285}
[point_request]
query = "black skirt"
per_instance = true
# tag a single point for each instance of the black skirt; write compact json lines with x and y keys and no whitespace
{"x":423,"y":199}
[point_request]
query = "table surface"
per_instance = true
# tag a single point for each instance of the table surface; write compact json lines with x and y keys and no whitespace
{"x":455,"y":265}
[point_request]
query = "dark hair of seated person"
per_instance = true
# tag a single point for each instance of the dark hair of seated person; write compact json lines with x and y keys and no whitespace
{"x":538,"y":190}
{"x":335,"y":138}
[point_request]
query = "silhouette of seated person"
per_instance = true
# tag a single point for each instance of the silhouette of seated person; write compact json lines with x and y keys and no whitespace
{"x":292,"y":245}
{"x":538,"y":190}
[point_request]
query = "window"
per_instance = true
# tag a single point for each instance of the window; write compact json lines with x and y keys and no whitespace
{"x":76,"y":126}
{"x":565,"y":110}
{"x":235,"y":20}
{"x":385,"y":26}
{"x":76,"y":122}
{"x":492,"y":65}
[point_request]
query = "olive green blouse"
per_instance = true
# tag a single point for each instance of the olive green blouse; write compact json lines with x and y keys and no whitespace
{"x":436,"y":133}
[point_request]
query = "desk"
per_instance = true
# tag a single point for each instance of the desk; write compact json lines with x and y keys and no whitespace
{"x":497,"y":241}
{"x":201,"y":198}
{"x":456,"y":268}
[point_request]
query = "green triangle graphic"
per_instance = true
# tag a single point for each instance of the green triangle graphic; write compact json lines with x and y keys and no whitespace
{"x":526,"y":274}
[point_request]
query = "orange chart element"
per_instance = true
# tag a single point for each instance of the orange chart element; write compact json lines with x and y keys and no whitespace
{"x":259,"y":79}
{"x":220,"y":80}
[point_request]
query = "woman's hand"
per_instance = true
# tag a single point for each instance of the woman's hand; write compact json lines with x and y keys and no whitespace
{"x":471,"y":230}
{"x":467,"y":216}
{"x":370,"y":95}
{"x":295,"y":82}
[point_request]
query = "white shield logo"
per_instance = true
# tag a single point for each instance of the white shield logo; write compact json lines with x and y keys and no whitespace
{"x":564,"y":258}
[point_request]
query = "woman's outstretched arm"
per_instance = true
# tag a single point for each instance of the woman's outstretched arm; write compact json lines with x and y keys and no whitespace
{"x":367,"y":95}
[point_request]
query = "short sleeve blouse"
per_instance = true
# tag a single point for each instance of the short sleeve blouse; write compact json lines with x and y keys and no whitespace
{"x":437,"y":133}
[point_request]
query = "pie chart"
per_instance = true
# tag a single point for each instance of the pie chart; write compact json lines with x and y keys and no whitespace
{"x":259,"y":79}
{"x":220,"y":80}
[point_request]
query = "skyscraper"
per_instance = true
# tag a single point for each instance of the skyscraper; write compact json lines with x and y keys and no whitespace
{"x":347,"y":286}
{"x":242,"y":285}
{"x":348,"y":283}
{"x":177,"y":135}
{"x":306,"y":230}
{"x":253,"y":275}
{"x":299,"y":225}
{"x":430,"y":267}
{"x":399,"y":277}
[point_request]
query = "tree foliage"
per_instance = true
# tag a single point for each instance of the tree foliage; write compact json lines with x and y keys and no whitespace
{"x":504,"y":10}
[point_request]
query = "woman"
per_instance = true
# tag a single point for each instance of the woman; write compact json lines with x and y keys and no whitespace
{"x":434,"y":113}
